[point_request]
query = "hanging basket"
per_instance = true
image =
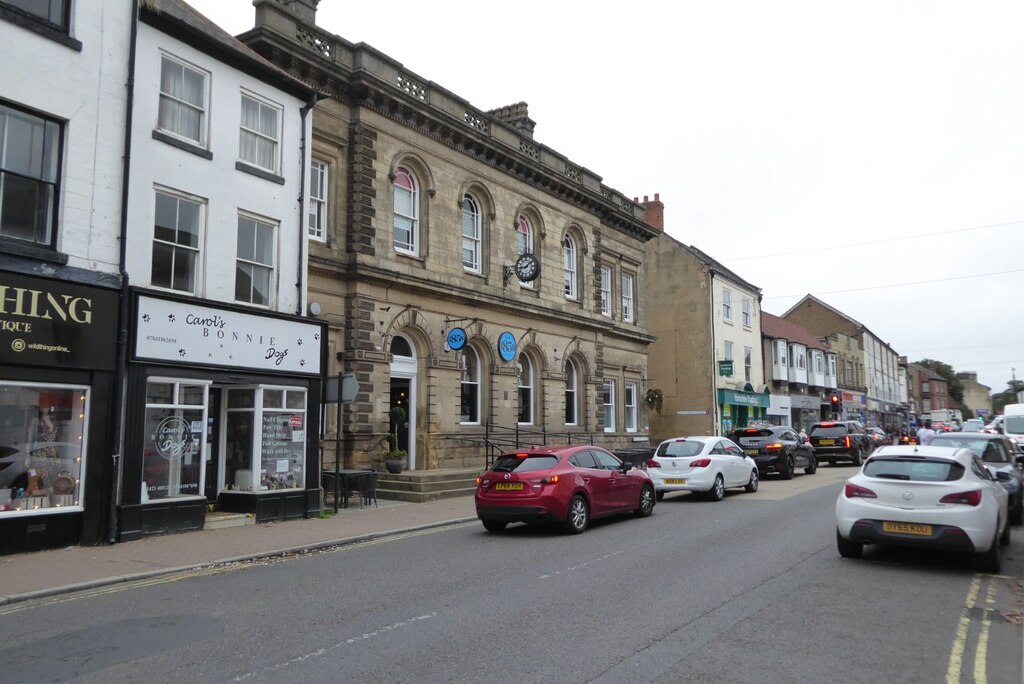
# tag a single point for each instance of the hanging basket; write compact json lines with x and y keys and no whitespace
{"x":654,"y":399}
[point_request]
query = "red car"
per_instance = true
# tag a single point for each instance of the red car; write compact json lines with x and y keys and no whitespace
{"x":567,"y":485}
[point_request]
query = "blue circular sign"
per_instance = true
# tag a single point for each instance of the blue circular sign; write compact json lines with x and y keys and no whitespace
{"x":456,"y":339}
{"x":507,"y":346}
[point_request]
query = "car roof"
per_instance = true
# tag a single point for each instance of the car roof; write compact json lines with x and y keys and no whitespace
{"x":972,"y":436}
{"x":961,"y":455}
{"x":693,"y":438}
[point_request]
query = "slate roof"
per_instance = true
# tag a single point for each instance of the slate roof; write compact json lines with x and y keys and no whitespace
{"x":779,"y":328}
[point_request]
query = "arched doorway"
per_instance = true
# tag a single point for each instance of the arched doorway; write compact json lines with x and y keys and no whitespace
{"x":403,"y":393}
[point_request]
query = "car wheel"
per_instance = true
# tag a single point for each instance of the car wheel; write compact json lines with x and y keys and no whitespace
{"x":646,"y":505}
{"x":989,"y":561}
{"x":494,"y":525}
{"x":579,"y":516}
{"x":1004,"y":538}
{"x":752,"y":484}
{"x":717,"y":491}
{"x":788,"y":469}
{"x":1017,"y":515}
{"x":847,"y":548}
{"x":812,"y":465}
{"x":856,"y":458}
{"x":661,"y":495}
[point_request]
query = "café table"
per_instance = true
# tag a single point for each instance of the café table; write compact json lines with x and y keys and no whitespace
{"x":348,"y":481}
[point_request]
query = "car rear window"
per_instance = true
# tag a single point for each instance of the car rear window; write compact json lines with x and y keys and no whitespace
{"x":681,"y":448}
{"x":828,"y":431}
{"x":751,"y":433}
{"x":988,"y":449}
{"x":915,"y":469}
{"x":511,"y":463}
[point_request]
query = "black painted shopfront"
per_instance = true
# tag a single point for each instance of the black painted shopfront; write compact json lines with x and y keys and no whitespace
{"x":57,"y":360}
{"x":222,"y":413}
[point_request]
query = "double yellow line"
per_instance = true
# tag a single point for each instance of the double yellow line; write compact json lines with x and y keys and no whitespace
{"x":956,"y":655}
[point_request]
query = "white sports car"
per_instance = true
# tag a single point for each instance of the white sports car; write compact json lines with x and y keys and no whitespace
{"x":701,"y":464}
{"x":925,"y":497}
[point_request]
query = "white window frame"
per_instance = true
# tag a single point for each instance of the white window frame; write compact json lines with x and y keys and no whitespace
{"x":317,"y":218}
{"x":261,"y":135}
{"x":472,"y":218}
{"x":569,"y":265}
{"x":469,"y":376}
{"x":197,"y":251}
{"x":177,"y":383}
{"x":168,"y":127}
{"x":748,"y":361}
{"x":525,"y":373}
{"x":410,"y":247}
{"x":728,"y":350}
{"x":630,"y":403}
{"x":243,"y":262}
{"x":606,"y":290}
{"x":745,"y":303}
{"x":572,"y":380}
{"x":726,"y":304}
{"x":608,"y":401}
{"x":628,"y":313}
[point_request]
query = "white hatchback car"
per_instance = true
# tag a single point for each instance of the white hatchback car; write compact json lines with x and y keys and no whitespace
{"x":701,"y":464}
{"x":924,"y":497}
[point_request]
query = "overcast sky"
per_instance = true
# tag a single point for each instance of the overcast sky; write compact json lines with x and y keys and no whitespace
{"x":869,"y":153}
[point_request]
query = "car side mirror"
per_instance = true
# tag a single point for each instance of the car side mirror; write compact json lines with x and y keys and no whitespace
{"x":1003,"y":476}
{"x":626,"y":466}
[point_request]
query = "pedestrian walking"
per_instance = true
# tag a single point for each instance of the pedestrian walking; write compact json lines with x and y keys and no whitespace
{"x":925,"y":434}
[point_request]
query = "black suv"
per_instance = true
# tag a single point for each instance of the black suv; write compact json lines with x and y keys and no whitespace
{"x":841,"y":440}
{"x":776,"y":450}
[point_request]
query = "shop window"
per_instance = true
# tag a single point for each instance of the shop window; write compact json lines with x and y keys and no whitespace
{"x":265,"y":443}
{"x":172,"y":461}
{"x":42,"y":457}
{"x":29,"y":161}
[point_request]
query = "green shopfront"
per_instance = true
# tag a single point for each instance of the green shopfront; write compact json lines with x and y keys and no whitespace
{"x":738,"y":408}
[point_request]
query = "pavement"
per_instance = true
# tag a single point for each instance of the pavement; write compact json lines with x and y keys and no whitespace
{"x":39,"y":574}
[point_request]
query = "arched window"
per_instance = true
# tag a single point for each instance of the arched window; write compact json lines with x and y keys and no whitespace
{"x":471,"y":234}
{"x":571,"y":393}
{"x":524,"y":374}
{"x":469,"y":364}
{"x":407,"y":211}
{"x":400,"y":346}
{"x":569,"y":265}
{"x":524,"y":240}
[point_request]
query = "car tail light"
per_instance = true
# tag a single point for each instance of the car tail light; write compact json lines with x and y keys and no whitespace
{"x":847,"y":441}
{"x":700,"y":463}
{"x":853,"y":491}
{"x":774,"y":447}
{"x":751,"y":432}
{"x":827,"y":424}
{"x":550,"y":479}
{"x":479,"y":480}
{"x":653,"y":463}
{"x":971,"y":498}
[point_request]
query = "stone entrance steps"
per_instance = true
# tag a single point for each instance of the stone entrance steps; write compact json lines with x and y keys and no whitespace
{"x":418,"y":486}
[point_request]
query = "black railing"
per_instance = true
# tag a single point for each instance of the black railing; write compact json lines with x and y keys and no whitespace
{"x":499,"y":439}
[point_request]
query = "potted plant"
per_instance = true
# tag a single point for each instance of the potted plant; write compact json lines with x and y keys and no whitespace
{"x":394,"y":459}
{"x":654,"y":398}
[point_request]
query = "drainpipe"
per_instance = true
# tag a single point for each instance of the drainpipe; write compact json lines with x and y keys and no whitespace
{"x":300,"y":307}
{"x":121,"y":366}
{"x":714,"y":359}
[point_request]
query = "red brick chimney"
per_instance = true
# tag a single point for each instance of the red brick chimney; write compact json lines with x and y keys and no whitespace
{"x":654,"y":212}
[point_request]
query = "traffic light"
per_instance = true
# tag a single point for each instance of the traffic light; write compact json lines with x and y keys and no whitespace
{"x":836,"y":401}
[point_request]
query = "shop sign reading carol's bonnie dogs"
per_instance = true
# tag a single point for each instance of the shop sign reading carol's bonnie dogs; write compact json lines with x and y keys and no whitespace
{"x":183,"y":332}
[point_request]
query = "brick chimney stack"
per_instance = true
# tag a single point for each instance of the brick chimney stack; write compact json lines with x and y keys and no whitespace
{"x":518,"y":116}
{"x":654,"y":212}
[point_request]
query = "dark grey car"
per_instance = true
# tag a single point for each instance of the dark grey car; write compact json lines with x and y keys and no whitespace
{"x":776,"y":450}
{"x":841,"y":440}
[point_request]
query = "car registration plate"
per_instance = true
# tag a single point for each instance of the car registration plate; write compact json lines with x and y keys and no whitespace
{"x":907,"y":528}
{"x":827,"y":442}
{"x":751,"y":452}
{"x":509,"y":486}
{"x":675,"y":480}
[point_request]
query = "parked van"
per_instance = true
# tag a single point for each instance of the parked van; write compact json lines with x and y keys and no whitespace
{"x":1013,"y":422}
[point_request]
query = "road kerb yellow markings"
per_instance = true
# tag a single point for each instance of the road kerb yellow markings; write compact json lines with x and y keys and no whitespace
{"x":979,"y":670}
{"x":956,"y":655}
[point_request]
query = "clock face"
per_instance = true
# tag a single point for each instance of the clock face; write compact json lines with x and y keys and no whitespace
{"x":527,"y":267}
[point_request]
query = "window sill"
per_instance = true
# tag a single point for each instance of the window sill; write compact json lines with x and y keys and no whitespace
{"x":259,"y":173}
{"x":9,"y":246}
{"x":183,"y":145}
{"x":29,"y":23}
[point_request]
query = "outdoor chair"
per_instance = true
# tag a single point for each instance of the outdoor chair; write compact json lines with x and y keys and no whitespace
{"x":368,"y":489}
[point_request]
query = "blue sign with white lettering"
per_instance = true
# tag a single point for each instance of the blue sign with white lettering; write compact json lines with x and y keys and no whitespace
{"x":456,"y":339}
{"x":507,"y":346}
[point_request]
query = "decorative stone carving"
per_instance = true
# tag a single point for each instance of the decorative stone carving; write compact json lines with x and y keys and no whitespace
{"x":417,"y":90}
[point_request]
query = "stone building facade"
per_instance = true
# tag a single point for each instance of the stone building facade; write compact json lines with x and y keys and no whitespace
{"x":422,"y":207}
{"x":977,"y":397}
